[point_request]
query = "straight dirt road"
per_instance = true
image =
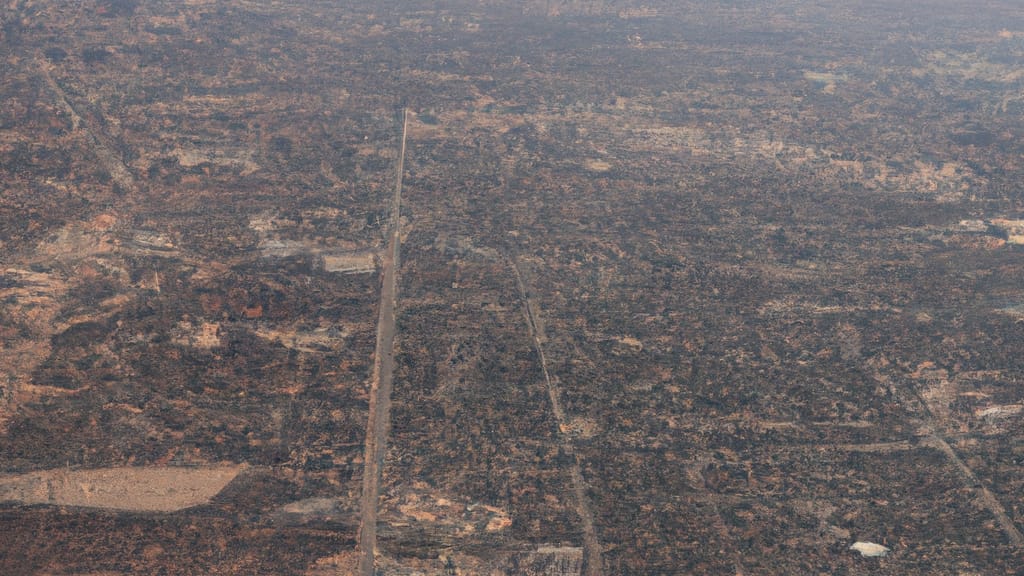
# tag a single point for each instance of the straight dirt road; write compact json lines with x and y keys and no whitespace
{"x":592,"y":564}
{"x":381,"y":384}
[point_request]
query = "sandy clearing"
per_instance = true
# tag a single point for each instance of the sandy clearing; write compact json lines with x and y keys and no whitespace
{"x":136,"y":489}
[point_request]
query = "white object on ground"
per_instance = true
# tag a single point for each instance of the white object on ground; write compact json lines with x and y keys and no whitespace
{"x":870,"y":549}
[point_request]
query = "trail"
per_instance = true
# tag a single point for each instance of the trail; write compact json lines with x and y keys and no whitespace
{"x":381,"y":384}
{"x":933,"y":437}
{"x":592,"y":565}
{"x":970,"y":479}
{"x":110,"y":161}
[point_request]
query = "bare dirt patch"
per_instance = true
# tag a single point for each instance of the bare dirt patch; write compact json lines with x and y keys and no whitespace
{"x":322,"y":338}
{"x":351,"y":262}
{"x":154,"y":489}
{"x":202,"y":335}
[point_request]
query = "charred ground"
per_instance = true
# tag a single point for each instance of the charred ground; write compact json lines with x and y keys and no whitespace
{"x":765,"y":256}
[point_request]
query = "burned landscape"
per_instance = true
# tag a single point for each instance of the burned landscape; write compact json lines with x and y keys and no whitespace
{"x":485,"y":287}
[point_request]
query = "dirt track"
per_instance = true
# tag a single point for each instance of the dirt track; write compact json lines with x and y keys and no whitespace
{"x":592,"y":563}
{"x":380,"y":387}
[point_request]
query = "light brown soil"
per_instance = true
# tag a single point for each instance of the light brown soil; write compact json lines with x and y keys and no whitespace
{"x":150,"y":489}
